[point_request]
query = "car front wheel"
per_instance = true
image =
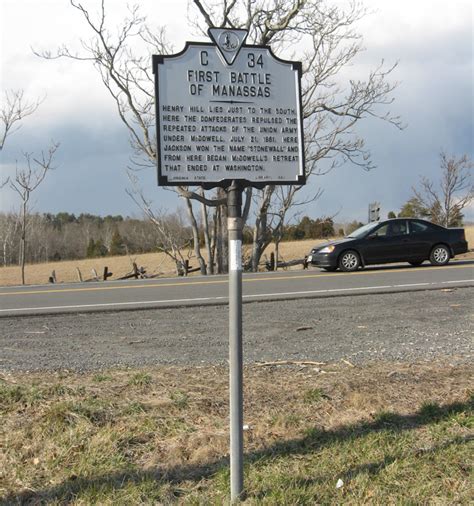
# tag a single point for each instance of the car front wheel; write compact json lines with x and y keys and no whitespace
{"x":349,"y":261}
{"x":439,"y":255}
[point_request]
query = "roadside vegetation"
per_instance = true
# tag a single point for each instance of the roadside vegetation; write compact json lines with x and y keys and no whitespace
{"x":157,"y":263}
{"x":380,"y":434}
{"x":65,"y":236}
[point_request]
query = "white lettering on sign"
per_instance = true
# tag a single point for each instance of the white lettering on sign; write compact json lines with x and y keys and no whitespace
{"x":220,"y":122}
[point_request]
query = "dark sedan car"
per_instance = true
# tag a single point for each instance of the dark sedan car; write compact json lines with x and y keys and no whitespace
{"x":399,"y":240}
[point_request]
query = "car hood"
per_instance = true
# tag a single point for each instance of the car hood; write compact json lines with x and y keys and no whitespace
{"x":332,"y":243}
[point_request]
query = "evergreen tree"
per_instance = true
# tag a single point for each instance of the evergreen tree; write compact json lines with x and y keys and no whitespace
{"x":117,"y":246}
{"x":96,"y":249}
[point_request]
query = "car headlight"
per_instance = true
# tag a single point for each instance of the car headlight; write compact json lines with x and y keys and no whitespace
{"x":327,"y":249}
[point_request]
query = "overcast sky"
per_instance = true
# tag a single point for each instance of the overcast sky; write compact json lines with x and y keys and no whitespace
{"x":431,"y":39}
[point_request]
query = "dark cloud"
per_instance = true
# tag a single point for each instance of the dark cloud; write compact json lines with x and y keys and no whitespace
{"x":90,"y":174}
{"x":434,"y":98}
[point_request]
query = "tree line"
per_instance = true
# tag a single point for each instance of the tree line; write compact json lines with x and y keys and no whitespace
{"x":65,"y":236}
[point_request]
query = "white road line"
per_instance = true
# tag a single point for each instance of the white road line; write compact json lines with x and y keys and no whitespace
{"x":458,"y":281}
{"x":207,"y":299}
{"x":108,"y":304}
{"x":319,"y":291}
{"x":413,"y":284}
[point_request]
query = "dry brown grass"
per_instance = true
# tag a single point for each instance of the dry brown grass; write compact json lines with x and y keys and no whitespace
{"x":160,"y":435}
{"x":470,"y":235}
{"x":155,"y":263}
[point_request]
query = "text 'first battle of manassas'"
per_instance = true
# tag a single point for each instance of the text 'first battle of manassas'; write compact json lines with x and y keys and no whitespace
{"x":229,"y":84}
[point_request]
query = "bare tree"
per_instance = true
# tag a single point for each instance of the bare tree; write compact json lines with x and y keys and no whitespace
{"x":273,"y":205}
{"x":125,"y":73}
{"x":172,"y":238}
{"x":331,"y":111}
{"x":26,"y":181}
{"x":286,"y":201}
{"x":323,"y":34}
{"x":443,"y":203}
{"x":14,"y":108}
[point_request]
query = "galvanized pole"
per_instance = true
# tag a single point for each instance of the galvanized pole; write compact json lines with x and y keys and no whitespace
{"x":234,"y":227}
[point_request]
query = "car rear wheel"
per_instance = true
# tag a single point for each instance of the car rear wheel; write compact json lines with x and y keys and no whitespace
{"x":349,"y":261}
{"x":439,"y":255}
{"x":417,"y":263}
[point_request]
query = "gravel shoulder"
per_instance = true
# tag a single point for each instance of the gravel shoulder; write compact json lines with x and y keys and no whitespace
{"x":405,"y":327}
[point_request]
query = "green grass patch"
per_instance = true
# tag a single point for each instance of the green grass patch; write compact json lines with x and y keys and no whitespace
{"x":13,"y":395}
{"x":140,"y":379}
{"x":161,"y":437}
{"x":314,"y":395}
{"x":100,"y":377}
{"x":180,"y":399}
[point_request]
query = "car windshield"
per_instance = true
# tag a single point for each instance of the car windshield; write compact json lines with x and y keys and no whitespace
{"x":362,"y":231}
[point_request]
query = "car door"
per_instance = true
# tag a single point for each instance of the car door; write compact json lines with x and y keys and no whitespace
{"x":387,"y":243}
{"x":399,"y":242}
{"x":374,"y":247}
{"x":421,"y":240}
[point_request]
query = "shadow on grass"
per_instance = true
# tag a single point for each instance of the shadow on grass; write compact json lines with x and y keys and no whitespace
{"x":314,"y":440}
{"x":371,"y":468}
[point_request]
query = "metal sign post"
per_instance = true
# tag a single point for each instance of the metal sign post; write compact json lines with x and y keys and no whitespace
{"x":234,"y":226}
{"x":229,"y":115}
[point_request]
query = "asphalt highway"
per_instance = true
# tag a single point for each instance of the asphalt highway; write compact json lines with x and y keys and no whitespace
{"x":201,"y":290}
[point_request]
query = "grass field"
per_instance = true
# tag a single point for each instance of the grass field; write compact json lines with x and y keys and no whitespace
{"x":155,"y":263}
{"x":392,"y":433}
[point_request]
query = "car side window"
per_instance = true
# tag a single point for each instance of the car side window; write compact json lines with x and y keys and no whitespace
{"x":380,"y":231}
{"x":398,"y":228}
{"x":417,"y":227}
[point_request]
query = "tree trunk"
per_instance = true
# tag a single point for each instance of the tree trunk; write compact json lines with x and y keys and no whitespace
{"x":23,"y":240}
{"x":207,"y":241}
{"x":197,"y":248}
{"x":219,"y":239}
{"x":224,"y":241}
{"x":214,"y":238}
{"x":221,"y":236}
{"x":261,"y":233}
{"x":277,"y":254}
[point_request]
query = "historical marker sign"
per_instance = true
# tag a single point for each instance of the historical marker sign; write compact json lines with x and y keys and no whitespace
{"x":228,"y":112}
{"x":229,"y":115}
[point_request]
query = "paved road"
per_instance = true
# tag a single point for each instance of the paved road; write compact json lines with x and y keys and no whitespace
{"x":168,"y":293}
{"x":407,"y":327}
